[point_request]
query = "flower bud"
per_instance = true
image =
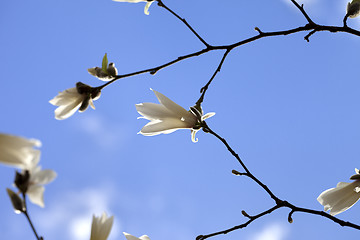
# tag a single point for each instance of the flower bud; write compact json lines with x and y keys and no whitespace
{"x":353,"y":9}
{"x":22,"y":181}
{"x":16,"y":201}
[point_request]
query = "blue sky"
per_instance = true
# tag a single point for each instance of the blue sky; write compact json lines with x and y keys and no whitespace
{"x":288,"y":107}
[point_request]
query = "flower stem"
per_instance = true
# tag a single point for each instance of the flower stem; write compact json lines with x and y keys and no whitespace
{"x":29,"y":220}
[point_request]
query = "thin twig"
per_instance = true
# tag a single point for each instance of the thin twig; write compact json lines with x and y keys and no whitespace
{"x":28,"y":218}
{"x":301,"y":8}
{"x":279,"y":203}
{"x":205,"y":88}
{"x":161,"y":4}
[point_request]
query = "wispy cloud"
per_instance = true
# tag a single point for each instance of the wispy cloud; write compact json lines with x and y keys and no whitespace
{"x":273,"y":231}
{"x":71,"y":214}
{"x":106,"y":134}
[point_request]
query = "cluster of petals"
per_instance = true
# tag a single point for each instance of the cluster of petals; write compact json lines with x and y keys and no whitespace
{"x":101,"y":227}
{"x":342,"y":197}
{"x":146,"y":9}
{"x":19,"y":152}
{"x":73,"y":99}
{"x":353,"y":9}
{"x":168,"y":117}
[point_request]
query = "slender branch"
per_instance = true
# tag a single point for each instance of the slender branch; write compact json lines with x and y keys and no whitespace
{"x":28,"y":218}
{"x":279,"y":203}
{"x":161,"y":4}
{"x":248,"y":173}
{"x":301,"y":8}
{"x":251,"y":219}
{"x":205,"y":88}
{"x":229,"y":48}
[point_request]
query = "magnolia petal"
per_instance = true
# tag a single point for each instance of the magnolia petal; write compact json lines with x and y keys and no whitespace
{"x":36,"y":195}
{"x":18,"y":142}
{"x":146,"y":9}
{"x":19,"y":158}
{"x":66,"y":111}
{"x":144,"y":237}
{"x":166,"y":126}
{"x":65,"y":97}
{"x":152,"y":111}
{"x":208,"y":115}
{"x":193,"y":133}
{"x":131,"y":237}
{"x":101,"y":227}
{"x":92,"y":103}
{"x":172,"y":106}
{"x":43,"y":177}
{"x":340,"y":198}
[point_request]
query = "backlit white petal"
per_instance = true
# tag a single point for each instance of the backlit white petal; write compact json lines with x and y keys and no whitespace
{"x":166,"y":126}
{"x":171,"y":106}
{"x":36,"y":194}
{"x":340,"y":198}
{"x":154,"y":111}
{"x":101,"y":227}
{"x":193,"y":134}
{"x":146,"y":9}
{"x":131,"y":237}
{"x":208,"y":115}
{"x":17,"y":151}
{"x":43,"y":177}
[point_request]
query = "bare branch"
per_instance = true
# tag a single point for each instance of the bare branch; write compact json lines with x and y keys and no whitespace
{"x":161,"y":4}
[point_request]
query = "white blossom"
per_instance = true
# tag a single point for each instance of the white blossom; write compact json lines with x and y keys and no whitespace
{"x":353,"y":9}
{"x":38,"y":178}
{"x":131,"y":237}
{"x":341,"y":198}
{"x":146,"y":9}
{"x":168,"y":117}
{"x":73,"y":99}
{"x":101,"y":227}
{"x":17,"y":151}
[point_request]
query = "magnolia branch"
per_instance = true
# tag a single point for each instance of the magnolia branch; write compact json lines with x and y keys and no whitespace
{"x":28,"y":218}
{"x":278,"y":202}
{"x":310,"y":26}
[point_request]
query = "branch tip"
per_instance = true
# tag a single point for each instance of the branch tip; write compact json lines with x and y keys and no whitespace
{"x":245,"y":214}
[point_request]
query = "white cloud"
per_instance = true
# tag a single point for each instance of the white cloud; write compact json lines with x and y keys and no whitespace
{"x":273,"y":231}
{"x":71,"y":214}
{"x":105,"y":134}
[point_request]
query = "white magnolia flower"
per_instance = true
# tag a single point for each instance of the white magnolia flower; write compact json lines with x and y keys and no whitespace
{"x":17,"y":151}
{"x":146,"y":9}
{"x":131,"y":237}
{"x":343,"y":197}
{"x":73,"y":99}
{"x":101,"y":227}
{"x":353,"y":9}
{"x":38,"y":178}
{"x":168,"y":117}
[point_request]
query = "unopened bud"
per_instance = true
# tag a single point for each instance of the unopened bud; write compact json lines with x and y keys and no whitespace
{"x":22,"y":181}
{"x":353,"y":9}
{"x":290,"y":220}
{"x":245,"y":214}
{"x":17,"y":202}
{"x":235,"y":172}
